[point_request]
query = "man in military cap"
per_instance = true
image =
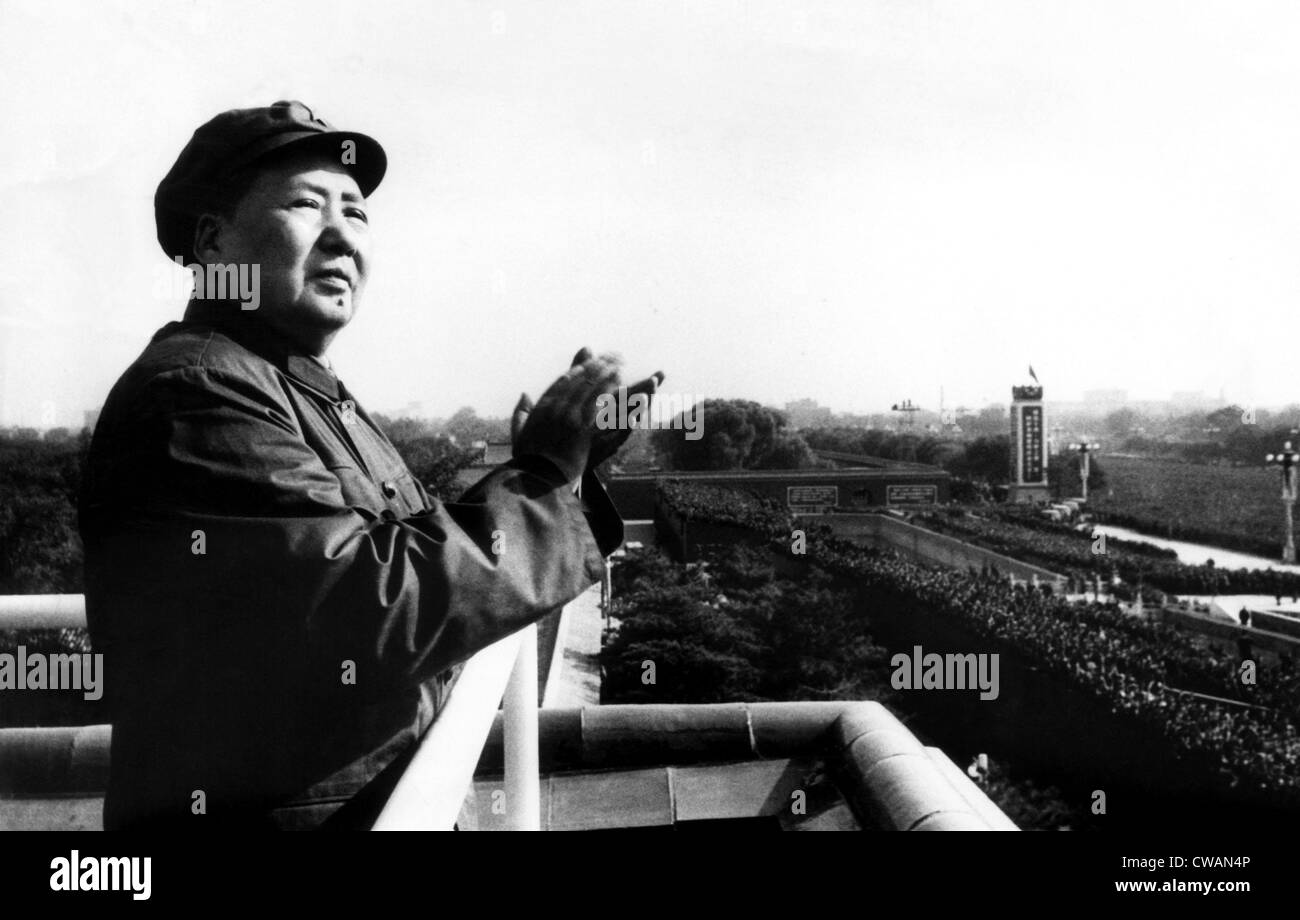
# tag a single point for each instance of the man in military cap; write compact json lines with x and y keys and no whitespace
{"x":281,"y":605}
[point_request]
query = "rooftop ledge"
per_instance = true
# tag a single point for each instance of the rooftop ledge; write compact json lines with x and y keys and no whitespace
{"x":880,"y":775}
{"x":886,"y":776}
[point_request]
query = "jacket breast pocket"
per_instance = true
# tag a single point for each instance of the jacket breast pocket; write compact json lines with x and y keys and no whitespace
{"x":358,"y":490}
{"x":409,"y":494}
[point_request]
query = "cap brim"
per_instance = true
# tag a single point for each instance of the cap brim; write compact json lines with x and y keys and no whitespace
{"x":365,"y":159}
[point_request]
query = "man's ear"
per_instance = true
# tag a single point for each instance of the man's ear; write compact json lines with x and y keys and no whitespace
{"x":207,"y":238}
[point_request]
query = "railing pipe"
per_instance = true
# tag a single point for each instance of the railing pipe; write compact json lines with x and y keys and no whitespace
{"x":42,"y":611}
{"x":434,"y":785}
{"x":522,"y":779}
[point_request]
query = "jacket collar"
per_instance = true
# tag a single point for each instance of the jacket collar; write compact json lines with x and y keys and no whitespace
{"x":256,"y":336}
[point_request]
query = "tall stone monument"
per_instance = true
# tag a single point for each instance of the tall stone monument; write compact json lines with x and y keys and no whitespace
{"x":1028,"y":446}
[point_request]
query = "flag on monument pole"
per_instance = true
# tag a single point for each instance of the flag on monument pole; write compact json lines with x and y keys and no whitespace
{"x":1032,"y":374}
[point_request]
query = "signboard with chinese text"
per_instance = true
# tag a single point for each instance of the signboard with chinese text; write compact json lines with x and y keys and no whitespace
{"x":812,"y":498}
{"x":911,"y":495}
{"x":1031,"y":443}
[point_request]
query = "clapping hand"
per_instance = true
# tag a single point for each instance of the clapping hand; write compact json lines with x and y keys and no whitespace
{"x":561,"y":426}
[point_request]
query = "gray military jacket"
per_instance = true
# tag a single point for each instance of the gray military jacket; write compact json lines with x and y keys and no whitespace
{"x":280,"y":604}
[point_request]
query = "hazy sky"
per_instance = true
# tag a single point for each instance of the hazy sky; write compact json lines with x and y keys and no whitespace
{"x":852,"y":201}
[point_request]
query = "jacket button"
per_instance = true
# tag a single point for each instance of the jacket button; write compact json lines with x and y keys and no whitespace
{"x":390,"y":490}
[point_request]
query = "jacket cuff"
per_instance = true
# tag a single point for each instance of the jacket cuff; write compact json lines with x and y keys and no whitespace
{"x":539,"y":466}
{"x":606,"y":523}
{"x":602,"y":517}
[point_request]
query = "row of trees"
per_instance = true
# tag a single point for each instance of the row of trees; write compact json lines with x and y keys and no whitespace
{"x":1231,"y":434}
{"x":40,"y":550}
{"x":40,"y":479}
{"x":891,"y":445}
{"x":464,"y":428}
{"x":739,"y":434}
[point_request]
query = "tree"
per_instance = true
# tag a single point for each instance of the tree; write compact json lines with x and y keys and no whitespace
{"x":741,"y":633}
{"x":1122,"y":421}
{"x":40,"y":549}
{"x":937,"y":451}
{"x":1226,"y":419}
{"x":699,"y":652}
{"x":736,"y":434}
{"x":466,"y":427}
{"x":990,"y":422}
{"x":986,"y":459}
{"x":789,"y":452}
{"x":840,"y":439}
{"x":806,"y":413}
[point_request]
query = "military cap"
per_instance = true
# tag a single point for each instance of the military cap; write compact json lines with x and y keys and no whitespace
{"x":242,"y":138}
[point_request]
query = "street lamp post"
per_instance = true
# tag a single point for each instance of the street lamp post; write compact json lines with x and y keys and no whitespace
{"x":1287,"y":461}
{"x":906,"y":407}
{"x":1085,"y":450}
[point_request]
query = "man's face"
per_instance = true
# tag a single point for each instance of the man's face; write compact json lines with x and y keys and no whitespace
{"x":304,"y":222}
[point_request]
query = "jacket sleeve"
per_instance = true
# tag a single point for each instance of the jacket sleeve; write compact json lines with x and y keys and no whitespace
{"x":212,"y":508}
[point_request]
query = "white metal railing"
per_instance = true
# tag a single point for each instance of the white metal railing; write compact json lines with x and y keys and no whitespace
{"x":42,"y":611}
{"x":433,"y":788}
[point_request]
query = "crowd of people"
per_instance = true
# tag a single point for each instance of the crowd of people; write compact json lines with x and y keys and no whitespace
{"x":1078,"y":554}
{"x":1139,"y":669}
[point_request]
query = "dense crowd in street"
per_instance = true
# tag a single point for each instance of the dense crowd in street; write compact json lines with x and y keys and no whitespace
{"x":1133,"y":666}
{"x":1075,"y":553}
